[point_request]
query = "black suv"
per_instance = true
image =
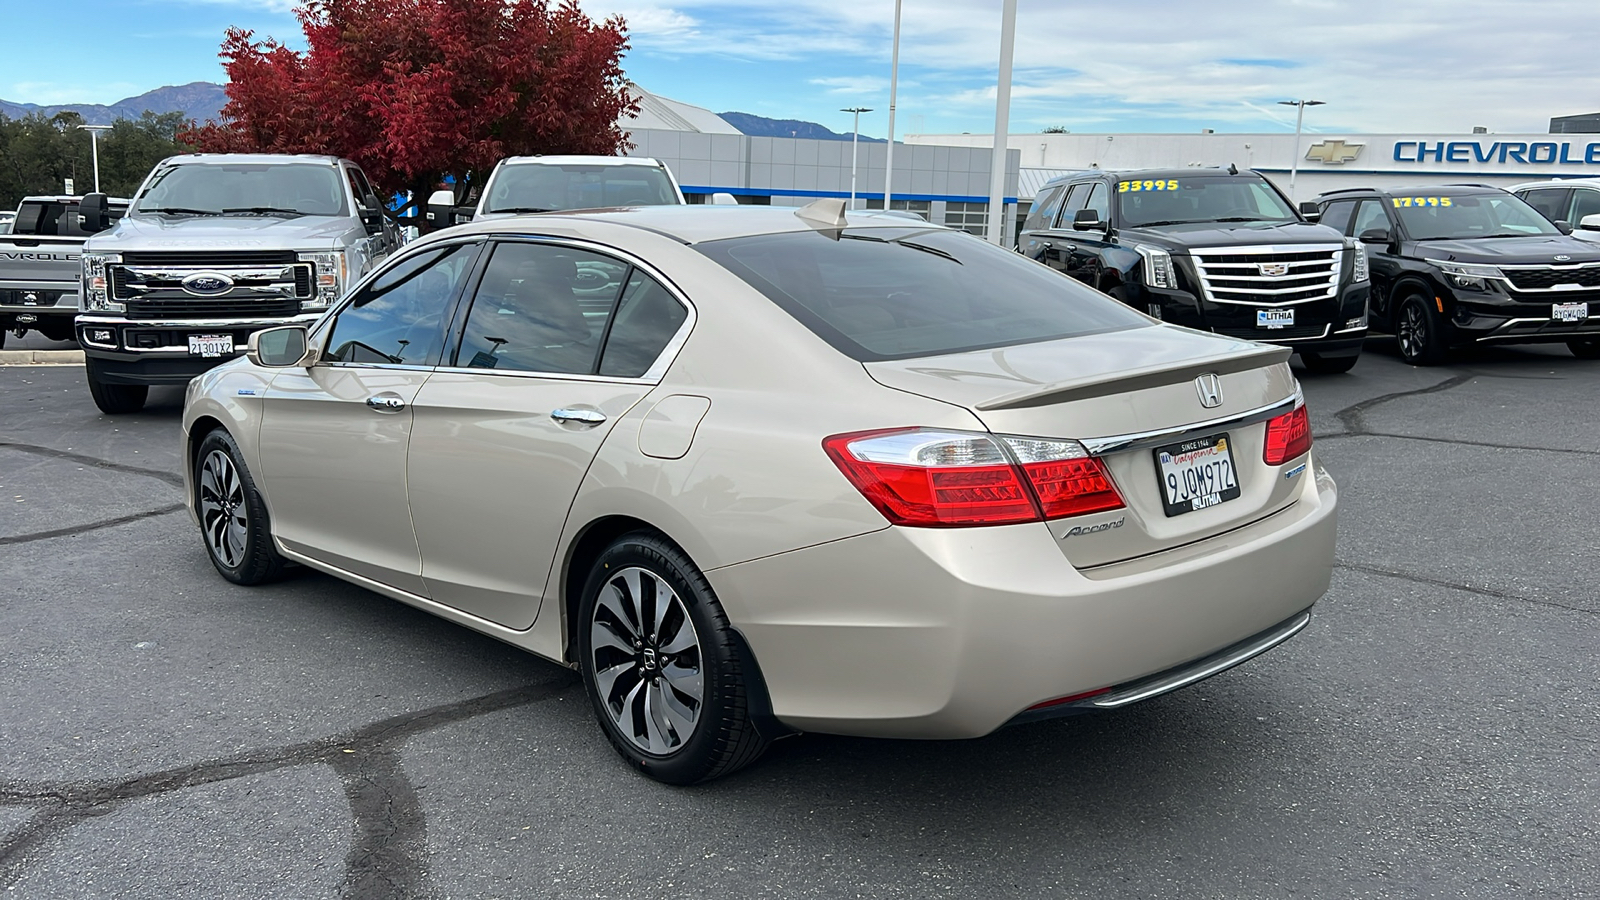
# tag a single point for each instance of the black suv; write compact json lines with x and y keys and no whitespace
{"x":1214,"y":249}
{"x":1457,"y":265}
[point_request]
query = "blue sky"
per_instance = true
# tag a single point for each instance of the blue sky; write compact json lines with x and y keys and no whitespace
{"x":1140,"y":65}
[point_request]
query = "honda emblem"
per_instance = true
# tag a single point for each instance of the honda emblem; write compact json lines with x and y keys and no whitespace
{"x":1209,"y":387}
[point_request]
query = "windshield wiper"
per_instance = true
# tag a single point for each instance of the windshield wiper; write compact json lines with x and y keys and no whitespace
{"x":1163,"y":222}
{"x":1247,"y":219}
{"x":521,"y":209}
{"x":265,"y":211}
{"x":182,"y":211}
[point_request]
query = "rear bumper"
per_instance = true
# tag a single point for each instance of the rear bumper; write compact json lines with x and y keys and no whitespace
{"x":952,"y":633}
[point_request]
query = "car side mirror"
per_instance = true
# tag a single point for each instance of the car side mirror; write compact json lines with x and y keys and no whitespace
{"x":723,"y":198}
{"x":1589,"y":223}
{"x":1374,"y":236}
{"x":284,"y":347}
{"x":1087,"y":220}
{"x":441,"y":209}
{"x":1311,"y":210}
{"x":93,"y":214}
{"x":373,"y":219}
{"x":1563,"y":226}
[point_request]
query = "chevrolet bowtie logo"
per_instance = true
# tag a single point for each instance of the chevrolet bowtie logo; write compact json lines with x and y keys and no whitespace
{"x":1334,"y":153}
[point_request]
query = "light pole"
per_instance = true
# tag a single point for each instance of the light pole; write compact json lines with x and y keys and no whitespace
{"x":855,"y":136}
{"x":1299,"y":119}
{"x":894,"y":81}
{"x":1002,"y":125}
{"x":94,"y":145}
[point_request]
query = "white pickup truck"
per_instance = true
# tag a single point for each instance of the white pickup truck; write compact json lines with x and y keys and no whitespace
{"x":535,"y":184}
{"x":39,"y":266}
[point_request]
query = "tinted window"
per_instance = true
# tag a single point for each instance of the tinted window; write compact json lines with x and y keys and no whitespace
{"x":646,"y":320}
{"x":547,"y":186}
{"x":1586,"y":203}
{"x":890,"y":293}
{"x":1337,"y":215}
{"x":1044,"y":213}
{"x":400,"y":317}
{"x":540,"y":308}
{"x":1369,"y":215}
{"x":238,"y":188}
{"x":1100,"y":201}
{"x":1215,"y":198}
{"x":1075,"y":201}
{"x":1550,"y":202}
{"x":1435,"y":216}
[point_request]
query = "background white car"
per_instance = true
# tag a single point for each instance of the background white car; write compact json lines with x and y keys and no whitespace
{"x":1575,"y":201}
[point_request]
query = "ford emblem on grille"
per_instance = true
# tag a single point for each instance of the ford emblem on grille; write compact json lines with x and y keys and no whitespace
{"x":1273,"y":270}
{"x":1209,"y":387}
{"x":207,"y":284}
{"x":1562,"y":257}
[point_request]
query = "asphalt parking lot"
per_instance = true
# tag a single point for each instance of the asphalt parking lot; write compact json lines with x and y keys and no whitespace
{"x":1434,"y":733}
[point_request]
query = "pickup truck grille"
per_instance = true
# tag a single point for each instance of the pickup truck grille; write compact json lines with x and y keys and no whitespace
{"x":1545,"y":278}
{"x":211,"y":309}
{"x":271,"y":281}
{"x":209,"y":259}
{"x":1268,"y":276}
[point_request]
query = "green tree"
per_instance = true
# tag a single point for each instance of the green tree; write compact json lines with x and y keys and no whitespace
{"x":38,"y":154}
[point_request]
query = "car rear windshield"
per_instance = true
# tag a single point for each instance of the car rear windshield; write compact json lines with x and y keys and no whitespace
{"x":539,"y":187}
{"x":898,"y":293}
{"x":1434,"y":216}
{"x":1152,"y":202}
{"x":245,"y":189}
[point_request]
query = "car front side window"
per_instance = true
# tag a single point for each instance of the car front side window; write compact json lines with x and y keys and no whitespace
{"x":400,"y":318}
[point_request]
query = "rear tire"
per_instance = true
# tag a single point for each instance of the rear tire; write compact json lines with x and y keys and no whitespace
{"x":1585,"y":348}
{"x":1327,"y":365}
{"x":233,"y":517}
{"x":115,"y":399}
{"x":661,"y":665}
{"x":1420,"y":332}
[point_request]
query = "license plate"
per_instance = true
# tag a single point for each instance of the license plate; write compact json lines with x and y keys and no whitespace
{"x":1196,"y":474}
{"x":210,"y":345}
{"x":1274,"y":318}
{"x":1569,"y":312}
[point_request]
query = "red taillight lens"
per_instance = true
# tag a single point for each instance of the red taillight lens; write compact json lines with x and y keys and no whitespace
{"x":930,"y":478}
{"x":1288,"y":436}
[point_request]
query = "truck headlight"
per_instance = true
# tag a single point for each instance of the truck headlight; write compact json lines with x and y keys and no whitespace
{"x":95,"y":290}
{"x":1467,"y":276}
{"x":1359,"y":272}
{"x":330,"y":273}
{"x":1157,"y":266}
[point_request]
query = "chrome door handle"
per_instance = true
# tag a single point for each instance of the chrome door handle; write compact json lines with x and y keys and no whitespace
{"x":1046,"y":244}
{"x":386,"y":403}
{"x":580,"y":416}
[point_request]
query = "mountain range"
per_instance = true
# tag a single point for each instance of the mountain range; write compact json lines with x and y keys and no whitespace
{"x":761,"y":126}
{"x":199,"y":100}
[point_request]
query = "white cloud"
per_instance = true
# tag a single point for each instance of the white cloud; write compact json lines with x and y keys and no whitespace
{"x":854,"y":84}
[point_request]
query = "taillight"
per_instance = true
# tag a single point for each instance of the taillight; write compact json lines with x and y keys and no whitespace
{"x":1288,"y":436}
{"x":932,"y":478}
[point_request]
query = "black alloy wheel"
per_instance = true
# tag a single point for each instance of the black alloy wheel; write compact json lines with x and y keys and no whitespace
{"x":661,"y":665}
{"x":1327,"y":365}
{"x":1585,"y":348}
{"x":1420,"y":332}
{"x":115,"y":399}
{"x":233,"y":518}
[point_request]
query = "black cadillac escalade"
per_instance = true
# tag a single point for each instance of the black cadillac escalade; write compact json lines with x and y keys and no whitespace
{"x":1214,"y":249}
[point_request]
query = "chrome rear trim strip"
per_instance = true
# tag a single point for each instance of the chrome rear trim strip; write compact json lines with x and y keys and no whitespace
{"x":1202,"y":669}
{"x":1100,"y":446}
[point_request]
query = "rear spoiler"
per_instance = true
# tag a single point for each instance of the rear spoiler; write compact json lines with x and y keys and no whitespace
{"x":1138,"y":379}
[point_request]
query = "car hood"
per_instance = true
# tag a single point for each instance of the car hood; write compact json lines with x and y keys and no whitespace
{"x":158,"y":232}
{"x":1537,"y":249}
{"x":1226,"y":234}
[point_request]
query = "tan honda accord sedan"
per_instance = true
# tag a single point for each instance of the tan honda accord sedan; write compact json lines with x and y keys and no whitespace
{"x":755,"y":471}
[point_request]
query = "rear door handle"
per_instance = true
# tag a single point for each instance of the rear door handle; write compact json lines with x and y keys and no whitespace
{"x":386,"y":402}
{"x":578,"y":415}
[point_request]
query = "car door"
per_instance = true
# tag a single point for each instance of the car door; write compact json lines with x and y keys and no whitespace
{"x":1058,"y":241}
{"x":377,"y":244}
{"x":1371,"y":213}
{"x":1040,"y":219}
{"x":1086,"y":261}
{"x":334,"y":435}
{"x":559,"y":342}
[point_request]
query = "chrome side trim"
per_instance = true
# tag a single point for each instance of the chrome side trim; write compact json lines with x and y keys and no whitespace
{"x":1100,"y":446}
{"x":1499,"y":333}
{"x":1202,"y":669}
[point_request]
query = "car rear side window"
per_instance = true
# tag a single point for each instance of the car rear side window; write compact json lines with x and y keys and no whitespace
{"x":892,"y":293}
{"x":1550,"y":202}
{"x":647,"y":318}
{"x":1337,"y":215}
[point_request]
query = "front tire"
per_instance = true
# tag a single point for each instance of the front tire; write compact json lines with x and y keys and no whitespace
{"x":1420,"y":332}
{"x":1327,"y":365}
{"x":1585,"y":348}
{"x":233,"y":517}
{"x":661,"y":665}
{"x":115,"y":399}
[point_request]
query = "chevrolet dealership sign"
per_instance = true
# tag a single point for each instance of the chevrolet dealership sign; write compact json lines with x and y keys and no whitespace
{"x":1500,"y":152}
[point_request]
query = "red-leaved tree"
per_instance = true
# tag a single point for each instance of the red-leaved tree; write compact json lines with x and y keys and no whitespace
{"x":415,"y":90}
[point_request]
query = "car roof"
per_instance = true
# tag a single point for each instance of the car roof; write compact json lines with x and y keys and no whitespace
{"x":194,"y":159}
{"x":67,"y":198}
{"x":1143,"y":174}
{"x":1557,"y":183}
{"x":1454,"y":190}
{"x":592,"y":160}
{"x":689,"y":224}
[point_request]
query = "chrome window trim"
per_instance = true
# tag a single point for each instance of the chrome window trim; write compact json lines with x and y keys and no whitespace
{"x":1100,"y":446}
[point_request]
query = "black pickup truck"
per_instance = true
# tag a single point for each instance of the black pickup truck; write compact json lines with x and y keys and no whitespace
{"x":1214,"y":249}
{"x":1462,"y":265}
